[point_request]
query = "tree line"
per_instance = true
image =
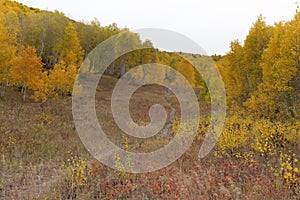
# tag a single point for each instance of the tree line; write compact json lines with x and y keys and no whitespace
{"x":262,"y":75}
{"x":42,"y":51}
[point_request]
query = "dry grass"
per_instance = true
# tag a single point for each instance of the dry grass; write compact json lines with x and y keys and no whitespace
{"x":36,"y":140}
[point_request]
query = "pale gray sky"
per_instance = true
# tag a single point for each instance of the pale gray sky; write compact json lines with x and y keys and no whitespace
{"x":211,"y":23}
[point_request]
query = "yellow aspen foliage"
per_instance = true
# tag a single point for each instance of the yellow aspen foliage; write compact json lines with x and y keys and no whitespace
{"x":278,"y":94}
{"x":69,"y":48}
{"x":26,"y":70}
{"x":241,"y":66}
{"x":45,"y":91}
{"x":76,"y":171}
{"x":7,"y":53}
{"x":269,"y":137}
{"x":235,"y":135}
{"x":255,"y":44}
{"x":62,"y":78}
{"x":187,"y":70}
{"x":234,"y":74}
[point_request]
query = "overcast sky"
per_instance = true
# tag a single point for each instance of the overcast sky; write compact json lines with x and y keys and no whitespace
{"x":211,"y":23}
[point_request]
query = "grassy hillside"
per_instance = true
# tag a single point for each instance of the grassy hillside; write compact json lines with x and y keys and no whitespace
{"x":39,"y":147}
{"x":42,"y":156}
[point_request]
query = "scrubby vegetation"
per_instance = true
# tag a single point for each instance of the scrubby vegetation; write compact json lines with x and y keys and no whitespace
{"x":41,"y":156}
